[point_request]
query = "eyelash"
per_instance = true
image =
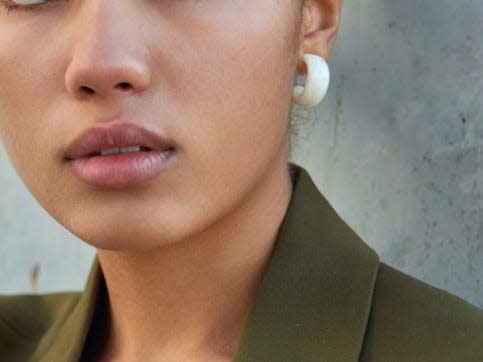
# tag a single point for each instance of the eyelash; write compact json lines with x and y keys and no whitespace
{"x":18,"y":8}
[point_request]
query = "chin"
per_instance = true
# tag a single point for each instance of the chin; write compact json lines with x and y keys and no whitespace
{"x":133,"y":233}
{"x":127,"y":239}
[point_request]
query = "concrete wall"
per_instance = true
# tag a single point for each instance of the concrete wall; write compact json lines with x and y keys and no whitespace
{"x":396,"y":147}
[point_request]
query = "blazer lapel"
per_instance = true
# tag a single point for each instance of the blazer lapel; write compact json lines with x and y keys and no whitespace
{"x":65,"y":339}
{"x":314,"y":301}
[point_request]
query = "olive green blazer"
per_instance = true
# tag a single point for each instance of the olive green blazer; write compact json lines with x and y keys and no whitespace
{"x":325,"y":297}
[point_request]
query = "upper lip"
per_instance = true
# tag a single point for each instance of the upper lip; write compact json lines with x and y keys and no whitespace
{"x":96,"y":139}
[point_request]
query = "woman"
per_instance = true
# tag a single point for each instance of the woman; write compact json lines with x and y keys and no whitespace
{"x":156,"y":131}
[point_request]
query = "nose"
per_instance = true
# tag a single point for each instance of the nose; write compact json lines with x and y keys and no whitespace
{"x":108,"y":57}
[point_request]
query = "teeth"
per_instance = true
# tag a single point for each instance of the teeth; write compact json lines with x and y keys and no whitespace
{"x":116,"y":151}
{"x":130,"y":149}
{"x":112,"y":151}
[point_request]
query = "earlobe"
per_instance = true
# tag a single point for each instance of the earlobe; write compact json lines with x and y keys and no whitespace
{"x":319,"y":29}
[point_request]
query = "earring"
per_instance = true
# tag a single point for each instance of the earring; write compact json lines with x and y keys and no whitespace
{"x":318,"y":78}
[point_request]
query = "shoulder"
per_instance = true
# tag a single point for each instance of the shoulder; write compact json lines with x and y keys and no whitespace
{"x":25,"y":319}
{"x":412,"y":321}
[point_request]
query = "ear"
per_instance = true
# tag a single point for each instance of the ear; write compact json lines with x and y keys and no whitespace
{"x":320,"y":25}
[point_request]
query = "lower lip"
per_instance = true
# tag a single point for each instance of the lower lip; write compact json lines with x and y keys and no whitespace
{"x":121,"y":170}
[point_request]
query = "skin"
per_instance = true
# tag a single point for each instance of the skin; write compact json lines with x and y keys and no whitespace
{"x":183,"y":253}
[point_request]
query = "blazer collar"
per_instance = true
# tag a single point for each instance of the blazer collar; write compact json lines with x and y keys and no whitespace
{"x":315,"y":298}
{"x":65,"y":339}
{"x":313,"y":303}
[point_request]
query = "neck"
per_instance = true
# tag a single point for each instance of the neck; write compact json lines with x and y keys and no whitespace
{"x":192,"y":298}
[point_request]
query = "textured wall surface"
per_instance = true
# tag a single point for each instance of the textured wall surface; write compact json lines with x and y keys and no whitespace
{"x":397,"y":147}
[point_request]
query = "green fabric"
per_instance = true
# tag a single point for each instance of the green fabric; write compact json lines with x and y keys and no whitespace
{"x":324,"y":297}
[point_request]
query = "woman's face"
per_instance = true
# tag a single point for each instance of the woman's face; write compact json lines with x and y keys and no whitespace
{"x":203,"y":86}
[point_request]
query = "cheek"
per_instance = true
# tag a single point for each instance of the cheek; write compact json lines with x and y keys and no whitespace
{"x":26,"y":119}
{"x":26,"y":66}
{"x":235,"y":86}
{"x":231,"y":99}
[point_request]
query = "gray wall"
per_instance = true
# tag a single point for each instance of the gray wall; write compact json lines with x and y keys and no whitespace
{"x":396,"y":147}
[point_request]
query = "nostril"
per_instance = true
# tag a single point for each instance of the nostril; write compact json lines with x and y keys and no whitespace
{"x":87,"y":90}
{"x":124,"y":86}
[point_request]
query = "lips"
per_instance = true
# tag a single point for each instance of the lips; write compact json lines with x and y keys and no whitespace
{"x":95,"y":140}
{"x":118,"y":155}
